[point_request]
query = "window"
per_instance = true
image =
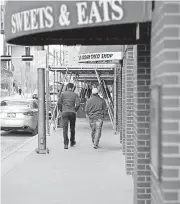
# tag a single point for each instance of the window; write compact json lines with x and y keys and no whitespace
{"x":28,"y":66}
{"x":27,"y":51}
{"x":153,"y":5}
{"x":9,"y":50}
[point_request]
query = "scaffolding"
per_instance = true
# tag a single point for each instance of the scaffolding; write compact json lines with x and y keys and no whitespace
{"x":99,"y":74}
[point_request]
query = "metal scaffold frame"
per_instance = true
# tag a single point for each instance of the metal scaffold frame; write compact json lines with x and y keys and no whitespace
{"x":88,"y":72}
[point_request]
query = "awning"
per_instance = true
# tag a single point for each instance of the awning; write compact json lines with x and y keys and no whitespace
{"x":74,"y":22}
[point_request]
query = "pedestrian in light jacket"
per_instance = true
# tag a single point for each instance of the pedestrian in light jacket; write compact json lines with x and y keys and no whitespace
{"x":95,"y":111}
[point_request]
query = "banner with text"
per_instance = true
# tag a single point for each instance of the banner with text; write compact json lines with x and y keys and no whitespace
{"x":103,"y":56}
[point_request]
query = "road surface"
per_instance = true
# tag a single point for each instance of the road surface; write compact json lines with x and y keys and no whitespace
{"x":12,"y":141}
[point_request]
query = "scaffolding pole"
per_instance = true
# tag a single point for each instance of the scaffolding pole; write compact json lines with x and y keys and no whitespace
{"x":53,"y":115}
{"x":106,"y":100}
{"x":115,"y":101}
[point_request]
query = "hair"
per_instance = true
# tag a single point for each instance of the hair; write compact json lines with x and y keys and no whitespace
{"x":70,"y":85}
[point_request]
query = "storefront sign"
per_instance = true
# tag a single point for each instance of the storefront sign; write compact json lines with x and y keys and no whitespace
{"x":106,"y":56}
{"x":32,"y":17}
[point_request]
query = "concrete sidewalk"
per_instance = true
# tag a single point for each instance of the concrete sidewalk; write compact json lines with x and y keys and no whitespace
{"x":79,"y":175}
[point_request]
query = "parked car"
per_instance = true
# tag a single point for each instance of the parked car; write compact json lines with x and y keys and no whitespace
{"x":19,"y":114}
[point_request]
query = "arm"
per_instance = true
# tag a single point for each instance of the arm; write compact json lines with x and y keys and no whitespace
{"x":60,"y":102}
{"x":77,"y":102}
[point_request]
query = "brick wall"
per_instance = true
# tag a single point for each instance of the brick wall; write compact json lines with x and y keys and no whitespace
{"x":129,"y":68}
{"x":141,"y":172}
{"x":165,"y":65}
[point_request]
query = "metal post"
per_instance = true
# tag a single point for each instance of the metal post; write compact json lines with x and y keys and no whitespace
{"x":41,"y":116}
{"x":54,"y":86}
{"x":115,"y":100}
{"x":47,"y":94}
{"x":60,"y":77}
{"x":47,"y":103}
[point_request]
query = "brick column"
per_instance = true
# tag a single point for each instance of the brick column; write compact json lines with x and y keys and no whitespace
{"x":119,"y":98}
{"x":165,"y":63}
{"x":129,"y":109}
{"x":141,"y":126}
{"x":123,"y":105}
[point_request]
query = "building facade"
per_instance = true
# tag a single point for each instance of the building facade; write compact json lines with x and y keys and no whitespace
{"x":6,"y":67}
{"x":16,"y":73}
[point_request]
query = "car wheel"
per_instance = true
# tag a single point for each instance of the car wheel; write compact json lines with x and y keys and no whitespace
{"x":35,"y":131}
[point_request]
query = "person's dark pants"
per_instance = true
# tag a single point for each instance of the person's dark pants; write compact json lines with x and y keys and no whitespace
{"x":69,"y":117}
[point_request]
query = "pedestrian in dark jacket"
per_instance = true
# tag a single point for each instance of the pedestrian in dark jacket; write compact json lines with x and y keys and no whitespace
{"x":20,"y":91}
{"x":69,"y":104}
{"x":95,"y":112}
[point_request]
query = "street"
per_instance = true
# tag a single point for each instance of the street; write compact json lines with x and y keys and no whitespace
{"x":11,"y":141}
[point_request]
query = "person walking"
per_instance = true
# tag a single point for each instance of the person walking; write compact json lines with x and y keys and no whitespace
{"x":95,"y":111}
{"x":68,"y":104}
{"x":20,"y":91}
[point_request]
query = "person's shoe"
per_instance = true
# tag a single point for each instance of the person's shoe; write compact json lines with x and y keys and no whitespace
{"x":73,"y":144}
{"x":65,"y":146}
{"x":96,"y":146}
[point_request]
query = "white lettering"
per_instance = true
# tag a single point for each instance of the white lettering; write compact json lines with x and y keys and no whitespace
{"x":33,"y":17}
{"x":13,"y":23}
{"x":105,"y":10}
{"x":117,"y":9}
{"x":19,"y":23}
{"x":26,"y":21}
{"x":41,"y":17}
{"x":49,"y":17}
{"x":81,"y":12}
{"x":94,"y":14}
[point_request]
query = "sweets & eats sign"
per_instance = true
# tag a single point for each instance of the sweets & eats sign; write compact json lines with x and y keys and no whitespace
{"x":64,"y":15}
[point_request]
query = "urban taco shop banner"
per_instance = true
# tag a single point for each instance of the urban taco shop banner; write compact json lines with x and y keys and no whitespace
{"x":103,"y":56}
{"x":31,"y":17}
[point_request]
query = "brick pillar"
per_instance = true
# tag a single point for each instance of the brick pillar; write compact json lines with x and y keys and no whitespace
{"x":129,"y":109}
{"x":123,"y":105}
{"x":141,"y":126}
{"x":119,"y":98}
{"x":165,"y":43}
{"x":121,"y":119}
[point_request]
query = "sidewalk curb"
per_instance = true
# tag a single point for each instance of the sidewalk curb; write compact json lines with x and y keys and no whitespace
{"x":18,"y":155}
